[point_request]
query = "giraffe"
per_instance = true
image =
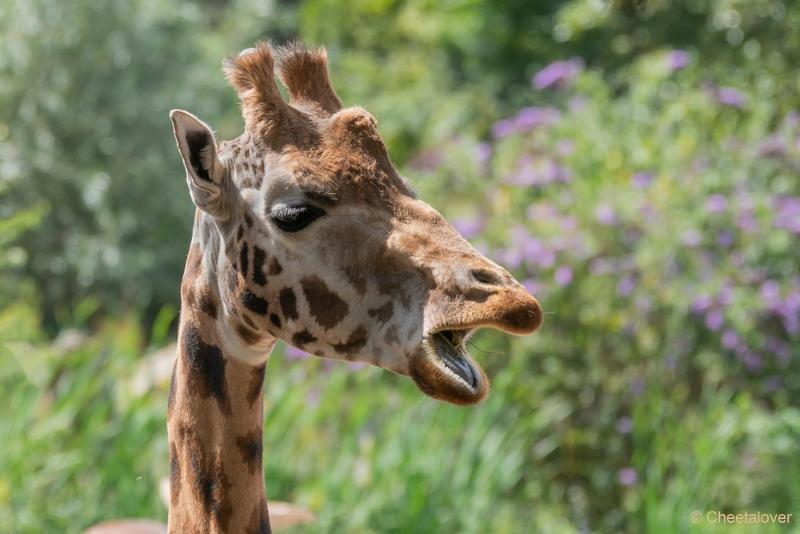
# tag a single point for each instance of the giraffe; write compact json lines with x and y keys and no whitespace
{"x":304,"y":232}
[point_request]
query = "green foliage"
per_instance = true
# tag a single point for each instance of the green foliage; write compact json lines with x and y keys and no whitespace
{"x":645,"y":191}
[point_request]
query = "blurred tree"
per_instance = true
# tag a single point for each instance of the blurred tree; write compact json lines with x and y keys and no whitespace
{"x":83,"y":108}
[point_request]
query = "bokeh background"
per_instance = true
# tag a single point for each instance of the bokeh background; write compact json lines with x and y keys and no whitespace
{"x":634,"y":162}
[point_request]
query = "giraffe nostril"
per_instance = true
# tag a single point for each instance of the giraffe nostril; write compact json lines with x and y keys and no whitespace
{"x":484,"y":276}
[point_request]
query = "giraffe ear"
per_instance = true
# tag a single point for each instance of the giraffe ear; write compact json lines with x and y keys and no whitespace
{"x":207,"y":177}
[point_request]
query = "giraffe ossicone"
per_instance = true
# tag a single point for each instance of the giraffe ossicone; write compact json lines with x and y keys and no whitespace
{"x":305,"y":232}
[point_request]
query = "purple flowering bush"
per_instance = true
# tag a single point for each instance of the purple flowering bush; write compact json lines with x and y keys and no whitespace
{"x":660,"y":228}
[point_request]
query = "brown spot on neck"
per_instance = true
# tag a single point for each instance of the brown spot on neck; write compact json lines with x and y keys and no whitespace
{"x":383,"y":313}
{"x":254,"y":303}
{"x":275,"y":320}
{"x":391,"y":337}
{"x":210,"y":484}
{"x":205,"y":367}
{"x":259,"y":257}
{"x":250,"y":447}
{"x":208,"y":305}
{"x":288,"y":303}
{"x":256,"y":384}
{"x":244,"y":259}
{"x":259,"y":521}
{"x":357,"y":279}
{"x":303,"y":337}
{"x":274,"y":267}
{"x":354,"y":343}
{"x":326,"y":307}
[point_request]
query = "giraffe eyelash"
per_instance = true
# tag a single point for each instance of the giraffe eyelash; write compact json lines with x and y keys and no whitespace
{"x":295,"y":218}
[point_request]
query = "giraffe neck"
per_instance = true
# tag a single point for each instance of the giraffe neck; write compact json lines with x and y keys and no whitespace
{"x":214,"y":419}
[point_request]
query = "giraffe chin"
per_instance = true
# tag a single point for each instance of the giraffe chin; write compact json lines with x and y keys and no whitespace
{"x":444,"y":370}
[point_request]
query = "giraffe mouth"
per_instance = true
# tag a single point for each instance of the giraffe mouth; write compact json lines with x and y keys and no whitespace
{"x":443,"y":369}
{"x":448,"y":346}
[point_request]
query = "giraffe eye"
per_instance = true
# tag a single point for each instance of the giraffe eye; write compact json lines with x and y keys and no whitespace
{"x":295,"y":218}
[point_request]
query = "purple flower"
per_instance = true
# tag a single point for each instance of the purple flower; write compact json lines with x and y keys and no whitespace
{"x":773,"y":383}
{"x":725,"y":238}
{"x":773,"y":146}
{"x":503,"y":128}
{"x":770,"y":294}
{"x":791,"y":323}
{"x":745,"y":221}
{"x":789,"y":309}
{"x":725,"y":295}
{"x":428,"y":160}
{"x":624,"y":425}
{"x":716,"y":204}
{"x":779,"y":348}
{"x":543,"y":211}
{"x":626,"y":285}
{"x":787,"y":214}
{"x":728,"y":96}
{"x":525,"y":247}
{"x":605,"y":215}
{"x":677,"y":60}
{"x":627,"y":476}
{"x":565,"y":147}
{"x":538,"y":173}
{"x":714,"y":319}
{"x":296,"y":354}
{"x":558,"y":73}
{"x":529,"y":247}
{"x":750,"y":359}
{"x":729,"y":339}
{"x":792,"y":301}
{"x":529,"y":118}
{"x":691,"y":238}
{"x":546,"y":259}
{"x":483,"y":153}
{"x":355,"y":366}
{"x":642,"y":180}
{"x":702,"y":303}
{"x":637,"y":386}
{"x":510,"y":257}
{"x":531,"y":285}
{"x":563,"y":276}
{"x":569,"y":223}
{"x":469,"y":226}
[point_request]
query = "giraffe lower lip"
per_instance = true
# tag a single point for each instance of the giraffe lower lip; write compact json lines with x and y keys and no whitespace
{"x":453,"y":355}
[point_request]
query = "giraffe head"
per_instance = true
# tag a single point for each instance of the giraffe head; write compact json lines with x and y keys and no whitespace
{"x":316,"y":240}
